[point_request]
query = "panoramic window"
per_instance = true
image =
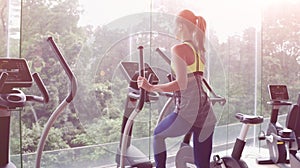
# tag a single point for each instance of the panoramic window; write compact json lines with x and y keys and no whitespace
{"x":248,"y":45}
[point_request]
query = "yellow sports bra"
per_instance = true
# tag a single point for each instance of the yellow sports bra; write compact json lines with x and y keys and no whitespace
{"x":198,"y":65}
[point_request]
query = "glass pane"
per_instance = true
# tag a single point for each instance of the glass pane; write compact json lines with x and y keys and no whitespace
{"x":3,"y":28}
{"x":280,"y":43}
{"x":97,"y":38}
{"x":14,"y":27}
{"x":280,"y":61}
{"x":10,"y":124}
{"x":10,"y":27}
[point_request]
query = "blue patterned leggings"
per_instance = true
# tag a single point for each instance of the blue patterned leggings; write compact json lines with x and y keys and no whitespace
{"x":173,"y":126}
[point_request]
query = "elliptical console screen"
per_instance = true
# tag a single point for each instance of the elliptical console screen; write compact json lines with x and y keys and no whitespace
{"x":278,"y":92}
{"x":131,"y":68}
{"x":18,"y":72}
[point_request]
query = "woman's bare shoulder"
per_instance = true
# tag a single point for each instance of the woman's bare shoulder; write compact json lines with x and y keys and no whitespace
{"x":179,"y":49}
{"x":183,"y":51}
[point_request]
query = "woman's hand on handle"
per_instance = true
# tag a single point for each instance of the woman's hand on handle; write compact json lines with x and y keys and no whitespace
{"x":142,"y":82}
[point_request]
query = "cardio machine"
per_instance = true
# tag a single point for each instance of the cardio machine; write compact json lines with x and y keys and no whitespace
{"x":128,"y":154}
{"x":235,"y":159}
{"x":15,"y":74}
{"x":280,"y":138}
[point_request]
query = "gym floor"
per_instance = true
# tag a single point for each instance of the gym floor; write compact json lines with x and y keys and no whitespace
{"x":250,"y":155}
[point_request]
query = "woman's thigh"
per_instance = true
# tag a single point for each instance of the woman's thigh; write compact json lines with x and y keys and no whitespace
{"x":172,"y":126}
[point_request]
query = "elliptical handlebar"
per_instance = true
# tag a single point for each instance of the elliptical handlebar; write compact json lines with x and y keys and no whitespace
{"x":61,"y":106}
{"x":3,"y":78}
{"x":45,"y":95}
{"x":166,"y":58}
{"x":218,"y":99}
{"x":130,"y":119}
{"x":142,"y":74}
{"x":66,"y":69}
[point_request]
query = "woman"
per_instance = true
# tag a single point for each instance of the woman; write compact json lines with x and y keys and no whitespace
{"x":193,"y":112}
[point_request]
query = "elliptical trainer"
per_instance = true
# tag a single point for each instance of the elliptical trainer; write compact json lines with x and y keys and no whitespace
{"x":128,"y":154}
{"x":15,"y":74}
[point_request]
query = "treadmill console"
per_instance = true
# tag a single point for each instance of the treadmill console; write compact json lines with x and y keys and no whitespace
{"x":18,"y":73}
{"x":278,"y":93}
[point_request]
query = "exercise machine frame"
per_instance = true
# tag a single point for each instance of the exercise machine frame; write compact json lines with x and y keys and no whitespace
{"x":282,"y":140}
{"x":15,"y":74}
{"x":60,"y":108}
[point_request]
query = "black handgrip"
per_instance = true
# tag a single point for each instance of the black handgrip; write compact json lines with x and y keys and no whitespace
{"x":3,"y":78}
{"x":41,"y":87}
{"x":142,"y":74}
{"x":218,"y":99}
{"x":215,"y":98}
{"x":66,"y":69}
{"x":209,"y":87}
